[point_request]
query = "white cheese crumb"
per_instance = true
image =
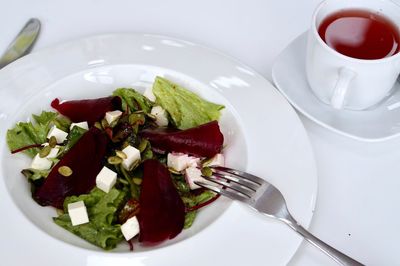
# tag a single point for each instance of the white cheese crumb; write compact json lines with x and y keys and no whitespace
{"x":181,"y":161}
{"x":112,"y":116}
{"x":83,"y":125}
{"x":217,"y":160}
{"x":193,"y":174}
{"x":59,"y":134}
{"x":130,"y":228}
{"x":53,"y":153}
{"x":106,"y":179}
{"x":132,"y":155}
{"x":78,"y":213}
{"x":39,"y":163}
{"x":161,"y":116}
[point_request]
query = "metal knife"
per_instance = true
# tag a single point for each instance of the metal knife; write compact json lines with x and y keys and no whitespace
{"x":22,"y":44}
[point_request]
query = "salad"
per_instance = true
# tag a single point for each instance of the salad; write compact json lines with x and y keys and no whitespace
{"x":123,"y":167}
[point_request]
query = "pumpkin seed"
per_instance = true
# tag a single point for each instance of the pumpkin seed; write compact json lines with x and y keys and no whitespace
{"x":123,"y":181}
{"x":137,"y":180}
{"x":143,"y":145}
{"x":206,"y":171}
{"x":52,"y":142}
{"x":114,"y":160}
{"x":121,"y":154}
{"x":98,"y":125}
{"x":172,"y":170}
{"x":45,"y":151}
{"x":59,"y":212}
{"x":104,"y":123}
{"x":65,"y":171}
{"x":134,"y":165}
{"x":136,"y":118}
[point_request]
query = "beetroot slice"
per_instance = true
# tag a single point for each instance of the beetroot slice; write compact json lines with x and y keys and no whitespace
{"x":205,"y":140}
{"x":162,"y":212}
{"x":85,"y":160}
{"x":91,"y":110}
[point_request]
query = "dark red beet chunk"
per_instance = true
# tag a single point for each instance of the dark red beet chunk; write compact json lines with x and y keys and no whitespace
{"x":162,"y":212}
{"x":204,"y":141}
{"x":91,"y":110}
{"x":85,"y":160}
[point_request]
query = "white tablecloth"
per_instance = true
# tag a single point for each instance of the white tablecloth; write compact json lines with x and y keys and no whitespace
{"x":358,"y":183}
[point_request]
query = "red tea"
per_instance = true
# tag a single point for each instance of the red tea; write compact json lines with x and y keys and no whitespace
{"x":360,"y":34}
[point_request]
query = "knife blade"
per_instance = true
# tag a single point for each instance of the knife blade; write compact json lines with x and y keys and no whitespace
{"x":23,"y":42}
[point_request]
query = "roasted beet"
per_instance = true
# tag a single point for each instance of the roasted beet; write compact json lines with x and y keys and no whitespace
{"x":90,"y":110}
{"x":162,"y":212}
{"x":85,"y":159}
{"x":204,"y":141}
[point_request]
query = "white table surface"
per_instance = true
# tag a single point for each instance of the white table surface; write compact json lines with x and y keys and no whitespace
{"x":359,"y":183}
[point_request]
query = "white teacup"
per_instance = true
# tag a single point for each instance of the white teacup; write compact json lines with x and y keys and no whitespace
{"x":342,"y":81}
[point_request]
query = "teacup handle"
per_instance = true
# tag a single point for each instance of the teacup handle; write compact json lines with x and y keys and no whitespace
{"x":346,"y":75}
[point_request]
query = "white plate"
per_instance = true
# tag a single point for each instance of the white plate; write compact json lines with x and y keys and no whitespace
{"x":263,"y":133}
{"x":379,"y":123}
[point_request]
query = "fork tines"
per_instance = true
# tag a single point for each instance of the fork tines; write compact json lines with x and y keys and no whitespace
{"x":232,"y":183}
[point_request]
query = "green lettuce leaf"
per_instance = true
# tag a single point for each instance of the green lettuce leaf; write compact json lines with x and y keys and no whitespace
{"x":186,"y":108}
{"x":133,"y":99}
{"x":62,"y":123}
{"x":189,"y":219}
{"x":73,"y":136}
{"x":191,"y":200}
{"x":29,"y":133}
{"x":102,"y":229}
{"x":34,"y":174}
{"x":204,"y":196}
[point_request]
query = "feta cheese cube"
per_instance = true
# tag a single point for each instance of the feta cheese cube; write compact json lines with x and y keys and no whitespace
{"x":217,"y":160}
{"x":177,"y":161}
{"x":39,"y":163}
{"x":53,"y":153}
{"x":130,"y":228}
{"x":83,"y":125}
{"x":78,"y":213}
{"x":193,"y":161}
{"x":132,"y":155}
{"x":148,"y":93}
{"x":106,"y":179}
{"x":181,"y":161}
{"x":113,"y":116}
{"x":193,"y":174}
{"x":59,"y":134}
{"x":161,"y":116}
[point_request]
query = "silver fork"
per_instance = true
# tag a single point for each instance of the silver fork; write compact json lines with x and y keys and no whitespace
{"x":267,"y":199}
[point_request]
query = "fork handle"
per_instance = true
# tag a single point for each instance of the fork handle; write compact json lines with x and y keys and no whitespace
{"x":333,"y":253}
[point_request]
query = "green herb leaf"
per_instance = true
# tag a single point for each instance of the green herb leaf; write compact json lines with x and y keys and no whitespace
{"x":204,"y":196}
{"x":34,"y":174}
{"x":62,"y":123}
{"x":74,"y":135}
{"x":185,"y":108}
{"x":192,"y":200}
{"x":189,"y":219}
{"x":29,"y":133}
{"x":102,"y":229}
{"x":135,"y":100}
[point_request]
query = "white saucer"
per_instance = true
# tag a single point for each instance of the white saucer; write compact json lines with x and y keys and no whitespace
{"x":382,"y":122}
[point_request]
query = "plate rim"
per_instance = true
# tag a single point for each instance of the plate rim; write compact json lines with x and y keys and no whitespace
{"x":206,"y":48}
